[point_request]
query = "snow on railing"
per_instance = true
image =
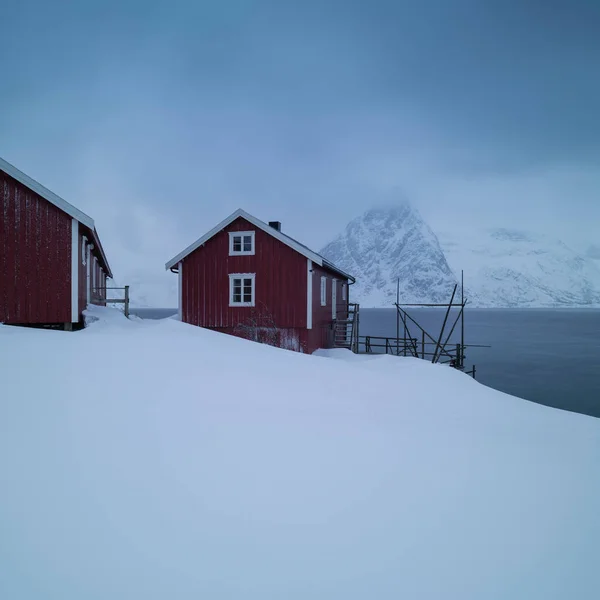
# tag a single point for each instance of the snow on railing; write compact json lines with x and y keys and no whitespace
{"x":99,"y":296}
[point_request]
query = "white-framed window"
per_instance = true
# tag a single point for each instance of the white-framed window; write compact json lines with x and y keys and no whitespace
{"x":323,"y":291}
{"x":241,"y":243}
{"x":344,"y":292}
{"x":242,"y":289}
{"x":84,"y":248}
{"x":334,"y":298}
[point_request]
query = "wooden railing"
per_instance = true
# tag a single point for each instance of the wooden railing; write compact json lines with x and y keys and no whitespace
{"x":345,"y":330}
{"x":99,"y":295}
{"x":353,"y":315}
{"x":373,"y":344}
{"x":453,"y":355}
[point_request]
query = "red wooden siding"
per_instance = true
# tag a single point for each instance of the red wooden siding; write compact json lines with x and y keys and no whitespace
{"x":280,"y":281}
{"x":281,"y":290}
{"x":35,"y":257}
{"x":321,"y":334}
{"x":84,"y":282}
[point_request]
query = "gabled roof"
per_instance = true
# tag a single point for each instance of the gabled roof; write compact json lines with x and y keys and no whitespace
{"x":101,"y":250}
{"x":45,"y":193}
{"x":285,"y":239}
{"x":57,"y":201}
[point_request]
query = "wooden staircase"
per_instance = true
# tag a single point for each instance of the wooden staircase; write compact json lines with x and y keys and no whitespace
{"x":345,"y":331}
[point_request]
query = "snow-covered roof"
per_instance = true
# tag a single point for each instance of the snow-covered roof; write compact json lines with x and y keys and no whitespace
{"x":45,"y":193}
{"x":282,"y":237}
{"x":57,"y":201}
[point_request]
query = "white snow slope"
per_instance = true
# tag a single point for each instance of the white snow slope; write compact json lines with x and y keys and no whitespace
{"x":158,"y":460}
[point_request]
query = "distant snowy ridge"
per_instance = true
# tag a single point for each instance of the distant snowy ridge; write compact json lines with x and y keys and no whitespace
{"x":593,"y":252}
{"x":503,"y":268}
{"x":387,"y":244}
{"x":510,"y":268}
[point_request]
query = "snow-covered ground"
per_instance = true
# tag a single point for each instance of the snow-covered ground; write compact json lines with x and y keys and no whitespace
{"x":158,"y":460}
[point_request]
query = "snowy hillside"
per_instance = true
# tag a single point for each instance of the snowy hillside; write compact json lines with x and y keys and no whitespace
{"x":218,"y":468}
{"x":514,"y":268}
{"x":385,"y":244}
{"x":503,"y":268}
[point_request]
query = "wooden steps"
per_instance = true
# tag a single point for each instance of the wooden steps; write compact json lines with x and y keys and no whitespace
{"x":345,"y":331}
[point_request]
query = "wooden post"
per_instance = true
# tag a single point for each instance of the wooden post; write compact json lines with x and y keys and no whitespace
{"x":398,"y":317}
{"x":462,"y":318}
{"x":458,"y":357}
{"x":356,"y":308}
{"x":127,"y":301}
{"x":423,"y":344}
{"x":473,"y":371}
{"x":437,"y":347}
{"x":460,"y":313}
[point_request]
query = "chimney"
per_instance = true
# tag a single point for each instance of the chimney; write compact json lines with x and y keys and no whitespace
{"x":275,"y":225}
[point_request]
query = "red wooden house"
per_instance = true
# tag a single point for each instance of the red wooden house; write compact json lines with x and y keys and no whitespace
{"x":51,"y":257}
{"x":247,"y":278}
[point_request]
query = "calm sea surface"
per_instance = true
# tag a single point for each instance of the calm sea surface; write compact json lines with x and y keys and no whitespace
{"x":547,"y":356}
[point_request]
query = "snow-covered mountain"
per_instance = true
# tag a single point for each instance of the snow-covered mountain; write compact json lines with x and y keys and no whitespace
{"x":385,"y":244}
{"x":514,"y":268}
{"x":503,"y":268}
{"x":593,"y":252}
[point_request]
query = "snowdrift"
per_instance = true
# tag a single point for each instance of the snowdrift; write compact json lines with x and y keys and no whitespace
{"x":159,"y":460}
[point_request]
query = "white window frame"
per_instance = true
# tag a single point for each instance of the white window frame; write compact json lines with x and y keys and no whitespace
{"x":75,"y":258}
{"x":233,"y":276}
{"x":94,"y":273}
{"x":344,"y":292}
{"x":334,"y":298}
{"x":309,"y":293}
{"x":323,"y":291}
{"x":88,"y":272}
{"x":84,"y":248}
{"x":234,"y":234}
{"x":180,"y":289}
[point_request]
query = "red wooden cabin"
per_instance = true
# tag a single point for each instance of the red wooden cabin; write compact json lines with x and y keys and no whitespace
{"x":51,"y":257}
{"x":247,"y":278}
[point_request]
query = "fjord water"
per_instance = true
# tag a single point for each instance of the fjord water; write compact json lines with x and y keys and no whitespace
{"x":549,"y":356}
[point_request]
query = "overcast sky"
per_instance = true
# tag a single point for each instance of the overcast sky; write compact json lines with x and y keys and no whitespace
{"x":159,"y":119}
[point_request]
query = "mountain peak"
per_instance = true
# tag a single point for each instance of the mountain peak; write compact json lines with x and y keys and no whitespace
{"x":503,"y":267}
{"x":389,"y":212}
{"x":390,"y":243}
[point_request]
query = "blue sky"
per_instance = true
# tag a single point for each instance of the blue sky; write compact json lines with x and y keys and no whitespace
{"x":159,"y":119}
